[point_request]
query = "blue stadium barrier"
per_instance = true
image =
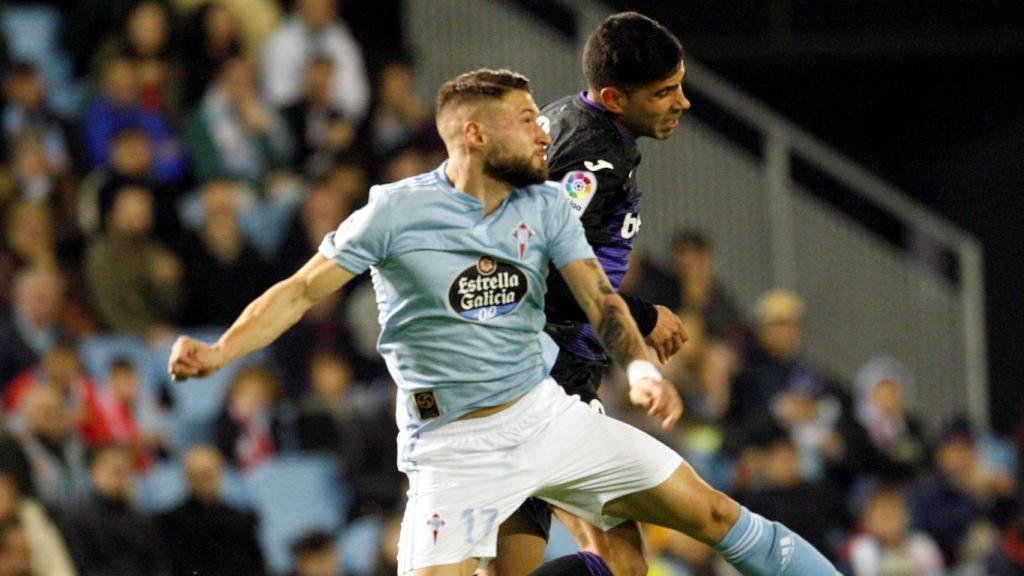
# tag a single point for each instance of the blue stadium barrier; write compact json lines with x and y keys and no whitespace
{"x":294,"y":494}
{"x":358,"y":544}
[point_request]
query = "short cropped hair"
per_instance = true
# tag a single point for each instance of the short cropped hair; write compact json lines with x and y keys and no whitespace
{"x":480,"y":84}
{"x":629,"y":50}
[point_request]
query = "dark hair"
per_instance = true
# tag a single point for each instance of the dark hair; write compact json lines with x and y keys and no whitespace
{"x":691,"y":238}
{"x":629,"y":50}
{"x":121,"y":364}
{"x":312,"y":542}
{"x":480,"y":84}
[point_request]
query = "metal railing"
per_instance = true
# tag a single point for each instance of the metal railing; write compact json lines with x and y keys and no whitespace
{"x":865,"y":297}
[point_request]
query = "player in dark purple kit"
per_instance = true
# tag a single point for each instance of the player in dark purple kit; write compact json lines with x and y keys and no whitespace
{"x":635,"y":74}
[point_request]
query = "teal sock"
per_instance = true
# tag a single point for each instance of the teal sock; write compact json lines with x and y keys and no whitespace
{"x":758,"y":547}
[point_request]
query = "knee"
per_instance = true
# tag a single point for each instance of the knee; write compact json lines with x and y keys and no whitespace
{"x":724,"y":511}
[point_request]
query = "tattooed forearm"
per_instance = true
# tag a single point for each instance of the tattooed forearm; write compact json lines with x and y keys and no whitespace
{"x":619,"y":334}
{"x":603,"y":285}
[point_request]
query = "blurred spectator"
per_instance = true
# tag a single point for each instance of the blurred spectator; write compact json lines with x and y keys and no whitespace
{"x":46,"y":552}
{"x":703,"y":371}
{"x":35,"y":178}
{"x":830,"y":442}
{"x":369,"y":458}
{"x":256,"y":20}
{"x":397,"y":117}
{"x":32,"y":328}
{"x":131,"y":163}
{"x":55,"y":454}
{"x":700,"y":292}
{"x":387,"y":551}
{"x":880,"y":407}
{"x":106,"y":535}
{"x":210,"y":39}
{"x":134,"y":282}
{"x":326,"y":205}
{"x":316,"y":554}
{"x":145,"y":39}
{"x":14,"y":462}
{"x":407,"y":162}
{"x":951,"y":503}
{"x":206,"y":535}
{"x":328,"y":411}
{"x":61,"y":371}
{"x":29,"y":242}
{"x":117,"y":107}
{"x":15,"y":555}
{"x":1008,"y":558}
{"x":772,"y":357}
{"x":223,"y":273}
{"x":809,"y":508}
{"x":314,"y":29}
{"x":249,"y":428}
{"x":26,"y":113}
{"x":321,"y":132}
{"x":886,"y":546}
{"x":233,"y":134}
{"x":131,"y":415}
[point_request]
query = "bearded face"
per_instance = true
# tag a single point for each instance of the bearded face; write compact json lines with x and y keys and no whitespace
{"x":518,"y":170}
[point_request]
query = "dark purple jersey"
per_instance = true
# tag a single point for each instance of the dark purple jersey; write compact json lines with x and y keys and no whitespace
{"x":595,"y":164}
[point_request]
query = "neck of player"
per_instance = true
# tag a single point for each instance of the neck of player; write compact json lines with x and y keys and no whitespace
{"x":466,"y":173}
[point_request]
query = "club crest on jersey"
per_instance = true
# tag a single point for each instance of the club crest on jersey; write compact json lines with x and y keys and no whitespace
{"x":580,"y":186}
{"x":487,"y":290}
{"x":522,"y":235}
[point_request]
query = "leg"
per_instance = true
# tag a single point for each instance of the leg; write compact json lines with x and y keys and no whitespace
{"x":621,"y":548}
{"x":521,"y":545}
{"x":753,"y":545}
{"x":465,"y":568}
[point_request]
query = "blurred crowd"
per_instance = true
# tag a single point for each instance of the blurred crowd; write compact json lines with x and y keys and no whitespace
{"x":164,"y":162}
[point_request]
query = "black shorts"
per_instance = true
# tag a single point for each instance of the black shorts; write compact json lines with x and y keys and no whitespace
{"x":577,"y":376}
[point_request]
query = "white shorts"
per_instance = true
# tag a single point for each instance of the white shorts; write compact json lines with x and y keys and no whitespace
{"x":468,"y":476}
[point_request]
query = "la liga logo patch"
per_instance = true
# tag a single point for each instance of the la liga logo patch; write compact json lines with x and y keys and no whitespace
{"x":579,"y":184}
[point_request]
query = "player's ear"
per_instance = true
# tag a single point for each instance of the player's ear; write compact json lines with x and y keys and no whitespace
{"x":613,"y":99}
{"x":473,"y":133}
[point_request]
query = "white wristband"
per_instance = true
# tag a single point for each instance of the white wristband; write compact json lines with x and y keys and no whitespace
{"x":638,"y":369}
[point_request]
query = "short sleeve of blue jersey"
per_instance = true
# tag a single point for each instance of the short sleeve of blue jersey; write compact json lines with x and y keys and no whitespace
{"x":567,"y":242}
{"x":361,"y":240}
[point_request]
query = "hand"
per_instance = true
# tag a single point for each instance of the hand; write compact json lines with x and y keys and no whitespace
{"x":659,"y":398}
{"x":668,"y":335}
{"x":193,"y":359}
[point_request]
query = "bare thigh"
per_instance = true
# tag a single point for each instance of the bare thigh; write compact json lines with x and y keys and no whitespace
{"x":521,"y":547}
{"x":683,"y":502}
{"x":464,"y":568}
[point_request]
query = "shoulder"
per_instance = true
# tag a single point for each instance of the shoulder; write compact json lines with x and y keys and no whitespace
{"x":411,"y":189}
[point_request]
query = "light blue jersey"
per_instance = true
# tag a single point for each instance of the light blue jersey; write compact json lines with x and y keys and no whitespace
{"x":461,"y":296}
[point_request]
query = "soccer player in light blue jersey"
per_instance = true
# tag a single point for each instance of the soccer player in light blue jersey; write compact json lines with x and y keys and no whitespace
{"x":458,"y":258}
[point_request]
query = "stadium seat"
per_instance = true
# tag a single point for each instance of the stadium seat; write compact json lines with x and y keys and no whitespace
{"x":358,"y":544}
{"x":98,"y":352}
{"x":294,"y":494}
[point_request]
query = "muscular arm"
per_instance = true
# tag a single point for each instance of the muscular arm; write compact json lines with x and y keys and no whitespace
{"x":606,"y":311}
{"x":609,"y":315}
{"x":262,"y":321}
